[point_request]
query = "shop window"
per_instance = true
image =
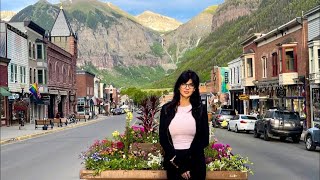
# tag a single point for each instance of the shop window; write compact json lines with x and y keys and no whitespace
{"x":274,"y":64}
{"x":2,"y":108}
{"x":249,"y":67}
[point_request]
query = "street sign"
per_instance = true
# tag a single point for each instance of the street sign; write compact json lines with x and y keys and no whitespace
{"x":244,"y":97}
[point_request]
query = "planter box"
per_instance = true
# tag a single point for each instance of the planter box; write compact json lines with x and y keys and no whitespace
{"x":159,"y":175}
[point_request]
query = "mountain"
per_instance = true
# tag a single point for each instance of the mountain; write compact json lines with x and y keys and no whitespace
{"x":110,"y":39}
{"x":223,"y":44}
{"x":7,"y":15}
{"x":157,"y":22}
{"x":188,"y":35}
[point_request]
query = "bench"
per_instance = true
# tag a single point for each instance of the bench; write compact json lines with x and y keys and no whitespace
{"x":79,"y":117}
{"x":43,"y":122}
{"x":59,"y":121}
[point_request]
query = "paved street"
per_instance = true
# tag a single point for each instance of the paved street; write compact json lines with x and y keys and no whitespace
{"x":274,"y":160}
{"x":56,"y":156}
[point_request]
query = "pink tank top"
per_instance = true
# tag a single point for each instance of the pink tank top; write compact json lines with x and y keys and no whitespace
{"x":183,"y":128}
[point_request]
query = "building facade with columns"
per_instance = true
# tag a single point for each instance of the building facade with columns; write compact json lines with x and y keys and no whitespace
{"x":62,"y":59}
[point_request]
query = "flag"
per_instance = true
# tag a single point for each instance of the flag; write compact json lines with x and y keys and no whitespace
{"x":35,"y":90}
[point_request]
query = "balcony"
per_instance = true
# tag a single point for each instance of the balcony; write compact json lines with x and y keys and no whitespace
{"x":288,"y":78}
{"x":248,"y":81}
{"x":314,"y":78}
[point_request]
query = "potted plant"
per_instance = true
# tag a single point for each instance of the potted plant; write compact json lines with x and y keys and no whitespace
{"x":136,"y":154}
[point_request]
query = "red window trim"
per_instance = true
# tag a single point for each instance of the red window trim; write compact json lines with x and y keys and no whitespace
{"x":284,"y":65}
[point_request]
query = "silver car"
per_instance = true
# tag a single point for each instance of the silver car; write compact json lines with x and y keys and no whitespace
{"x":222,"y":114}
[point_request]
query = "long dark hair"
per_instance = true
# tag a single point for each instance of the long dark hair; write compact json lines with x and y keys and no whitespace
{"x":195,"y":98}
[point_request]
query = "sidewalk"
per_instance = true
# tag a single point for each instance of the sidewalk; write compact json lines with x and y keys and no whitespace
{"x":12,"y":133}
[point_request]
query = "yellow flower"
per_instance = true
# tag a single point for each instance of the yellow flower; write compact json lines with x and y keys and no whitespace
{"x":115,"y":134}
{"x":129,"y":115}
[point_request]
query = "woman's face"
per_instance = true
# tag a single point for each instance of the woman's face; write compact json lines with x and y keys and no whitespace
{"x":186,"y":89}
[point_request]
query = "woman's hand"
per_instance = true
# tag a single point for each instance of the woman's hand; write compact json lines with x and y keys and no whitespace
{"x":186,"y":175}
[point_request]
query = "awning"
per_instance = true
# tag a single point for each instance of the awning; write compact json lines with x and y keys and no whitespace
{"x":4,"y":91}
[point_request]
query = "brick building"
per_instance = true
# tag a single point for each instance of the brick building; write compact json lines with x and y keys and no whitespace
{"x":62,"y":59}
{"x":281,"y":63}
{"x":85,"y":91}
{"x":4,"y":93}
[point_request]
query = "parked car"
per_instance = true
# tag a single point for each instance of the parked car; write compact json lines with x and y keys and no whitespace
{"x":242,"y":122}
{"x":312,"y":138}
{"x":222,"y":114}
{"x":279,"y":123}
{"x":116,"y":111}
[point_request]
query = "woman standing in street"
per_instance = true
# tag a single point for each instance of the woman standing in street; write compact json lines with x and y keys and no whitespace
{"x":184,"y":130}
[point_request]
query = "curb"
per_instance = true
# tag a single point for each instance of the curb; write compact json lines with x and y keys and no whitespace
{"x":50,"y":131}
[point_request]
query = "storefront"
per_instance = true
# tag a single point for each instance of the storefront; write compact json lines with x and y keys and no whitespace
{"x":4,"y":114}
{"x":236,"y":102}
{"x":315,"y":105}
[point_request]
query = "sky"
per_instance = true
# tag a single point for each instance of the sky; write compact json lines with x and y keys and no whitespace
{"x":182,"y":10}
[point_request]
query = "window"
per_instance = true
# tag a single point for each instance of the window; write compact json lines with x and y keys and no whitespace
{"x":319,"y":59}
{"x":80,"y":104}
{"x":39,"y":51}
{"x":238,"y":74}
{"x":290,"y":59}
{"x":45,"y":77}
{"x":13,"y":73}
{"x":22,"y":74}
{"x":249,"y":67}
{"x":30,"y":75}
{"x":40,"y":76}
{"x":274,"y":64}
{"x":264,"y":67}
{"x":280,"y":60}
{"x":33,"y":51}
{"x":234,"y":75}
{"x":231,"y":80}
{"x":34,"y":76}
{"x":30,"y":50}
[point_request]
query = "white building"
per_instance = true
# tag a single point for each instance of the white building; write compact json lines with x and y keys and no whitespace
{"x":313,"y":17}
{"x":17,"y":51}
{"x":235,"y":85}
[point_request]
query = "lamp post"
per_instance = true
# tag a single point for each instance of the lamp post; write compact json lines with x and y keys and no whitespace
{"x":22,"y":86}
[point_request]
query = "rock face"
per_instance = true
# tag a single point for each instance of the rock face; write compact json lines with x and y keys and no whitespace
{"x":7,"y":15}
{"x":188,"y":35}
{"x":233,"y":9}
{"x":157,"y":22}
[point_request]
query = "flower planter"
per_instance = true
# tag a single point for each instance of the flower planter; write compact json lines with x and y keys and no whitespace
{"x":155,"y":174}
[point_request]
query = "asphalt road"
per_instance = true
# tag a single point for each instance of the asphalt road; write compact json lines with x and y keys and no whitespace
{"x":274,"y":160}
{"x":54,"y":156}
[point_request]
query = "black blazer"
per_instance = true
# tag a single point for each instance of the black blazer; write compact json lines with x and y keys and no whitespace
{"x":201,"y":139}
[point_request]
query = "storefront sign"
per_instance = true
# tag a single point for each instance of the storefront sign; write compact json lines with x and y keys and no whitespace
{"x":244,"y":97}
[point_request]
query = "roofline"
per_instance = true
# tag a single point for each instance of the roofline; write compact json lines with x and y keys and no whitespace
{"x":68,"y":24}
{"x":85,"y":72}
{"x":32,"y":25}
{"x":251,"y":38}
{"x":295,"y":22}
{"x":313,"y":11}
